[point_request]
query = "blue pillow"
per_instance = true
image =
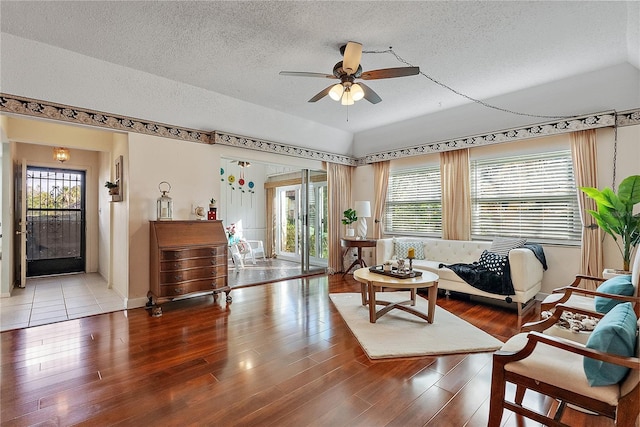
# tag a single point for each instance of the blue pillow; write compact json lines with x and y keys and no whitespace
{"x":618,"y":285}
{"x":615,"y":333}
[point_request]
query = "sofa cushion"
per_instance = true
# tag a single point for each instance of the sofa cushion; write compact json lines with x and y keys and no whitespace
{"x":402,"y":247}
{"x":618,"y":285}
{"x":493,"y":262}
{"x":502,"y":245}
{"x":615,"y":333}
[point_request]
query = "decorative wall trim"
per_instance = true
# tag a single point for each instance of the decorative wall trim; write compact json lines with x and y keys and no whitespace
{"x":277,"y":148}
{"x":628,"y":118}
{"x":516,"y":134}
{"x":22,"y":106}
{"x":48,"y":110}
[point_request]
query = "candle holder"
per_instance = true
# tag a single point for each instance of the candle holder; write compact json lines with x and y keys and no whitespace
{"x":411,"y":264}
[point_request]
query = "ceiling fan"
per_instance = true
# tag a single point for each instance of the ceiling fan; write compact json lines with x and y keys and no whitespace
{"x":349,"y":69}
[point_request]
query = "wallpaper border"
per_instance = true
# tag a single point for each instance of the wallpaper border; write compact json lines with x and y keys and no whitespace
{"x":22,"y":106}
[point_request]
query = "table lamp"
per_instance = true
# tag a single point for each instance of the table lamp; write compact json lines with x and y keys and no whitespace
{"x":363,"y":211}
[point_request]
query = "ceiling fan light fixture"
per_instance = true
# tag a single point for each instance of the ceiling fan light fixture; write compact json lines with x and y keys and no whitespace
{"x":356,"y":92}
{"x":336,"y":92}
{"x":347,"y":98}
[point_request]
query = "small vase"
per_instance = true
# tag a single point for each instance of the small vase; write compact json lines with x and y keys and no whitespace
{"x":350,"y":232}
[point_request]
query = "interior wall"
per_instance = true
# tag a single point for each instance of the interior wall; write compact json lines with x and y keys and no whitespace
{"x":192,"y":170}
{"x":119,"y":239}
{"x":6,"y":272}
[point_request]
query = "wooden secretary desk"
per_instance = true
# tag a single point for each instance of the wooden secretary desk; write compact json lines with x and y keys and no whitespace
{"x":186,"y":257}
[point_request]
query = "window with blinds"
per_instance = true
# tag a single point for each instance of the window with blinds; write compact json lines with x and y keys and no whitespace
{"x":531,"y":196}
{"x":414,"y":202}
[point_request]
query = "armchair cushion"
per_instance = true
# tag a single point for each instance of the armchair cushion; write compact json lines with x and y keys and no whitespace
{"x":615,"y":333}
{"x":619,"y":285}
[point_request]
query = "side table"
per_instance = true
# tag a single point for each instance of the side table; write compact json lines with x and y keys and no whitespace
{"x":348,"y":243}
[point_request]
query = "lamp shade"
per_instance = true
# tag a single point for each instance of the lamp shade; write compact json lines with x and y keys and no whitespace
{"x":347,"y":99}
{"x":363,"y":209}
{"x":336,"y":92}
{"x":356,"y":92}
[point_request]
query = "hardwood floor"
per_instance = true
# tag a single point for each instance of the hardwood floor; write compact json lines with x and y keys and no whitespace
{"x":280,"y":354}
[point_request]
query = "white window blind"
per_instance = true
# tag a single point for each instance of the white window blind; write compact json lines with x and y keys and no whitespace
{"x":414,"y":202}
{"x":531,"y":196}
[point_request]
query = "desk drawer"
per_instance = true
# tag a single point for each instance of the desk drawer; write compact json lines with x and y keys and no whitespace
{"x":186,"y":253}
{"x":193,"y":286}
{"x":177,"y":276}
{"x":182,"y":264}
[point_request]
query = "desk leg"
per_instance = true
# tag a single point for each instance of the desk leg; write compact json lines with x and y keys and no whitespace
{"x":372,"y":302}
{"x":432,"y":295}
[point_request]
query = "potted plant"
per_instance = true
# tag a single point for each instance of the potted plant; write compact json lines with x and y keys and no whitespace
{"x":113,"y":188}
{"x":615,"y":214}
{"x":348,"y":219}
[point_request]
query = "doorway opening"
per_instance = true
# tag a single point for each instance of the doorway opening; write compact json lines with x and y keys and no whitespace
{"x":56,"y":221}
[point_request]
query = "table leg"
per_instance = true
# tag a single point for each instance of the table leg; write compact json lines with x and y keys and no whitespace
{"x":432,"y":295}
{"x":360,"y":260}
{"x":372,"y":302}
{"x":413,"y":296}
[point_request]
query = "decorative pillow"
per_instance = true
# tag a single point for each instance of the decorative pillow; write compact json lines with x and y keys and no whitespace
{"x":493,"y":262}
{"x":618,"y":285}
{"x":615,"y":333}
{"x":502,"y":245}
{"x":402,"y":248}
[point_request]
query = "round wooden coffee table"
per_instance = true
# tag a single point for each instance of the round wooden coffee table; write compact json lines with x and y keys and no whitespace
{"x":371,"y":281}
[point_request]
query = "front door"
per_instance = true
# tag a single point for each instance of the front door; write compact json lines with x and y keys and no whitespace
{"x":55,"y":221}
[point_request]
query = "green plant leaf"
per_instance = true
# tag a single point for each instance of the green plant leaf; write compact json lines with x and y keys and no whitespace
{"x":629,"y":190}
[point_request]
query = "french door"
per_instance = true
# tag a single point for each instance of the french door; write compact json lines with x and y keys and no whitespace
{"x":302,"y":222}
{"x":55,"y":219}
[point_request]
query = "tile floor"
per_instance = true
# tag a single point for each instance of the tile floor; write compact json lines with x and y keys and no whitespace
{"x":56,"y":298}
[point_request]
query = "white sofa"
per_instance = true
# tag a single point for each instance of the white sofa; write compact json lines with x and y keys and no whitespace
{"x":526,"y":269}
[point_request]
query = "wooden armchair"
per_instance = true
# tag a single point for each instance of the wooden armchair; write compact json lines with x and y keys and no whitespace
{"x":553,"y":367}
{"x":577,"y":297}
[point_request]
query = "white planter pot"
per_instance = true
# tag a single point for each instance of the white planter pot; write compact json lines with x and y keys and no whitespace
{"x":350,"y":232}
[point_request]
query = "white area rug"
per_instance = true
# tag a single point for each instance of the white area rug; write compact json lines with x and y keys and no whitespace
{"x":400,"y":334}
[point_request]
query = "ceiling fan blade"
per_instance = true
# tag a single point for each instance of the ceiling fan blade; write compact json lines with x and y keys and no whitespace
{"x":369,"y":94}
{"x":305,"y":74}
{"x":321,"y":94}
{"x":352,"y":56}
{"x":388,"y":73}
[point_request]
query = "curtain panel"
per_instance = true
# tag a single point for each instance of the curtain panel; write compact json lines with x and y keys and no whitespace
{"x":270,"y":243}
{"x":456,"y":195}
{"x":380,"y":187}
{"x":583,"y":152}
{"x":339,"y":189}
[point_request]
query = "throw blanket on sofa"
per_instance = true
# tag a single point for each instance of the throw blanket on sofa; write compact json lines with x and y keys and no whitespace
{"x":492,"y":280}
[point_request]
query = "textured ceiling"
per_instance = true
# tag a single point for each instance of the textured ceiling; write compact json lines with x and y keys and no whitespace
{"x":481,"y":49}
